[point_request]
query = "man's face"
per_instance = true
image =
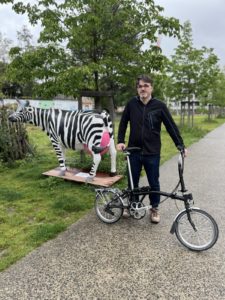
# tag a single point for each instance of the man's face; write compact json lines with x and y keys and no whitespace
{"x":144,"y":90}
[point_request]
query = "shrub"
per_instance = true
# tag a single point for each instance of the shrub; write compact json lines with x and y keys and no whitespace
{"x":13,"y":139}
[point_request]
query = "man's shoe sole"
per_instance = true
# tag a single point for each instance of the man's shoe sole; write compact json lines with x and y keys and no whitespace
{"x":155,"y":222}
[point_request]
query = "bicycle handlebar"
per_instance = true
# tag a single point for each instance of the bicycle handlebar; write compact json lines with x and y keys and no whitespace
{"x":129,"y":150}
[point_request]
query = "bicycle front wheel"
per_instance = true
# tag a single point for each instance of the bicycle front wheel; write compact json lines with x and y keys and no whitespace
{"x":108,"y":207}
{"x":199,"y":236}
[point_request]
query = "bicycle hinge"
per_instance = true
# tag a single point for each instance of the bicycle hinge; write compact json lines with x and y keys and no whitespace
{"x":173,"y":196}
{"x":188,"y":196}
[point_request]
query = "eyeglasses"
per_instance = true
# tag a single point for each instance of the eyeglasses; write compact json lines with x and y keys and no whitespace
{"x":143,"y":86}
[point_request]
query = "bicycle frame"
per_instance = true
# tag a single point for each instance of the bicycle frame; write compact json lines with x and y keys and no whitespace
{"x":143,"y":191}
{"x":146,"y":190}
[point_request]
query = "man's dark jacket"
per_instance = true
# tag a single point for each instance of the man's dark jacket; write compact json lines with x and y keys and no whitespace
{"x":145,"y":125}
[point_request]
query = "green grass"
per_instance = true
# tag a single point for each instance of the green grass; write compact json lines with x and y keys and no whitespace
{"x":35,"y":208}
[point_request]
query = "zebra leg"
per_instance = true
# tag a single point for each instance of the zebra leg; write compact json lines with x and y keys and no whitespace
{"x":59,"y":153}
{"x":96,"y":161}
{"x":112,"y":151}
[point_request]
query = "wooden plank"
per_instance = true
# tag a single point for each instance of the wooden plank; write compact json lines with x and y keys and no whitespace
{"x":79,"y":175}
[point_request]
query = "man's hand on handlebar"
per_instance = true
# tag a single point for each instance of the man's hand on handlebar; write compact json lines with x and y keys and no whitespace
{"x":120,"y":146}
{"x":182,"y":150}
{"x":185,"y":152}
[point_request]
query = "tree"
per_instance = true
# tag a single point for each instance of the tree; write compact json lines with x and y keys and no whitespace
{"x":218,"y":91}
{"x":192,"y":71}
{"x":216,"y":99}
{"x":25,"y":42}
{"x":2,"y":76}
{"x":91,"y":44}
{"x":5,"y":45}
{"x":12,"y":90}
{"x":4,"y":49}
{"x":17,"y":79}
{"x":24,"y":38}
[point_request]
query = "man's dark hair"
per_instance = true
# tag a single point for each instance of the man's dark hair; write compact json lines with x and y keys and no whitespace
{"x":144,"y":78}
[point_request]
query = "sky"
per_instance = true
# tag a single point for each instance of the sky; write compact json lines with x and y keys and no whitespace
{"x":206,"y":17}
{"x":207,"y":21}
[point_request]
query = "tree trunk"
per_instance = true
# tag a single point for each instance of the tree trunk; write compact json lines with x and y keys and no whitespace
{"x":97,"y":98}
{"x":112,"y":111}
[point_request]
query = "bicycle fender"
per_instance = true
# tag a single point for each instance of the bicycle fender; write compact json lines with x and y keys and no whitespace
{"x":174,"y":225}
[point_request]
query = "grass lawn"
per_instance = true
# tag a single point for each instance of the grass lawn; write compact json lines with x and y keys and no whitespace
{"x":35,"y":208}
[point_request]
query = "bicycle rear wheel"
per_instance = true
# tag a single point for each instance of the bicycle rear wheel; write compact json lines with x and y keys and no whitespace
{"x":108,"y":207}
{"x":200,"y":238}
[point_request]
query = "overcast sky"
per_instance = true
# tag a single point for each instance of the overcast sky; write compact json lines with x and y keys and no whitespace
{"x":206,"y":17}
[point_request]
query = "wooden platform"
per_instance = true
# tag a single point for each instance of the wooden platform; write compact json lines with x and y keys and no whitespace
{"x":79,"y":175}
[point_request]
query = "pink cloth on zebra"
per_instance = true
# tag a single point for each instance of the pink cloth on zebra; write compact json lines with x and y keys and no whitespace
{"x":104,"y":143}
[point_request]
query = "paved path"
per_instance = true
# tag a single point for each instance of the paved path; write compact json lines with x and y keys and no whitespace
{"x":133,"y":259}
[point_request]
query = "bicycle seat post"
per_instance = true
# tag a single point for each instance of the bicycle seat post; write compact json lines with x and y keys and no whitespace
{"x":129,"y":170}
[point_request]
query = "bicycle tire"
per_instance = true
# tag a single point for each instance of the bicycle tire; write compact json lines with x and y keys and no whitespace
{"x":108,"y":207}
{"x":204,"y":237}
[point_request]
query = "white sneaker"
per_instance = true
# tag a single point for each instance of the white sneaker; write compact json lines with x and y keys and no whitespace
{"x":126,"y":213}
{"x":154,"y":215}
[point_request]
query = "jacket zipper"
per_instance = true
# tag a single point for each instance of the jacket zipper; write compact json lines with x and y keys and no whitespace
{"x":142,"y":134}
{"x":151,"y":122}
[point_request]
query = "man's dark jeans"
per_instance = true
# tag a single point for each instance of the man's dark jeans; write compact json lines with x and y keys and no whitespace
{"x":151,"y":166}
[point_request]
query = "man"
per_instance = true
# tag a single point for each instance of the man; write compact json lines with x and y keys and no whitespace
{"x":145,"y":115}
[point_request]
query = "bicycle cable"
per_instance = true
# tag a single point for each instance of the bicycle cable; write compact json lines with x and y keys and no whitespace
{"x":181,"y":171}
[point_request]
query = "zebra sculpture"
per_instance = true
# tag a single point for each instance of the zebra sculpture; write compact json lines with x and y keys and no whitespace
{"x":76,"y":130}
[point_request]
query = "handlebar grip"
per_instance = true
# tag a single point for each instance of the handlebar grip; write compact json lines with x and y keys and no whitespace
{"x":181,"y":148}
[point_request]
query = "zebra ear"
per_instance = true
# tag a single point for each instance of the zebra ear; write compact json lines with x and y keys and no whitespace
{"x":23,"y":103}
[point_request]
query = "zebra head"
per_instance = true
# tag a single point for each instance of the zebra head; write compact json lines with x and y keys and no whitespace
{"x":24,"y":112}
